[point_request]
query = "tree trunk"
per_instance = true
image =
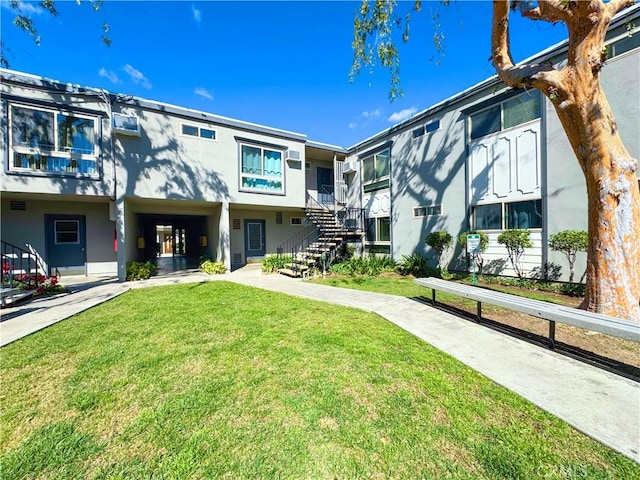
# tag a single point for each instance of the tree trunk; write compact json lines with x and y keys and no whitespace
{"x":613,"y":252}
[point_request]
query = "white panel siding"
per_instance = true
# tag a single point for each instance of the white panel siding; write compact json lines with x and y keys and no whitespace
{"x":506,"y":166}
{"x":496,"y":259}
{"x":527,"y":166}
{"x":378,"y":204}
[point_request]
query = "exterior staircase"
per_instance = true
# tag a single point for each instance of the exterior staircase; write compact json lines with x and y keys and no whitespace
{"x":21,"y":274}
{"x":316,"y":246}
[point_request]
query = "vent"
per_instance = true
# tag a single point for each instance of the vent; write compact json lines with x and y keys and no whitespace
{"x":237,"y":258}
{"x":235,"y":224}
{"x":278,"y":218}
{"x":18,"y":205}
{"x":292,"y":155}
{"x":126,"y":125}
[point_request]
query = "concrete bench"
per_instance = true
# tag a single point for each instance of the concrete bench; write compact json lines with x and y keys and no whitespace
{"x":7,"y":292}
{"x":596,"y":322}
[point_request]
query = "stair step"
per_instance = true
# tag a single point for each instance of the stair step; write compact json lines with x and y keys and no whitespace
{"x":289,"y":273}
{"x":296,"y":266}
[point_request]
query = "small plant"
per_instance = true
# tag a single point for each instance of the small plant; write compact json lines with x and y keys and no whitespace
{"x":272,"y":263}
{"x":370,"y":266}
{"x":516,"y":241}
{"x":484,"y":243}
{"x":416,"y":265}
{"x":213,"y":268}
{"x":440,"y":242}
{"x":569,"y":242}
{"x":140,"y":270}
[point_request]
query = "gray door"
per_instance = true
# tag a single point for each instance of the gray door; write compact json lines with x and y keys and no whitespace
{"x":254,"y":238}
{"x":66,"y":240}
{"x":325,"y":186}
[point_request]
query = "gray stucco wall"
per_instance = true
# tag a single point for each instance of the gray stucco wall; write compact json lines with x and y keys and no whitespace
{"x":565,"y":183}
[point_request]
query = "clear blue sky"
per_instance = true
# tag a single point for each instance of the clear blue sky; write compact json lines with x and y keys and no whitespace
{"x":281,"y":64}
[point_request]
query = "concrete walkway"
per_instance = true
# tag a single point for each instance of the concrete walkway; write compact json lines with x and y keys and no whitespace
{"x":600,"y":404}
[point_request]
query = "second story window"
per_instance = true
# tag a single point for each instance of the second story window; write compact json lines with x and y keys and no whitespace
{"x":52,"y":142}
{"x":515,"y":111}
{"x":193,"y":131}
{"x":261,"y":169}
{"x":375,"y":174}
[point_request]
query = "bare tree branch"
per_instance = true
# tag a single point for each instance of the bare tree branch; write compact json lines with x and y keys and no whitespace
{"x":547,"y":10}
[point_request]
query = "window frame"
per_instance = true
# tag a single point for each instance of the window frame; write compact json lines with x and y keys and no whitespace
{"x":198,"y":133}
{"x":504,"y":212}
{"x":262,"y":148}
{"x":428,"y":210}
{"x":55,"y":154}
{"x":377,"y":222}
{"x":55,"y":232}
{"x":500,"y":106}
{"x":299,"y":220}
{"x":377,"y":183}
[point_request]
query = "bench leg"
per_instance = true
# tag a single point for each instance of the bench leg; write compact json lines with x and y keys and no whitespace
{"x":552,"y":334}
{"x":479,"y":311}
{"x":433,"y":297}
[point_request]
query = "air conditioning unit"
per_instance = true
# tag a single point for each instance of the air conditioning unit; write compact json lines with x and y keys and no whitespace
{"x":292,"y":155}
{"x":350,"y":166}
{"x":126,"y":124}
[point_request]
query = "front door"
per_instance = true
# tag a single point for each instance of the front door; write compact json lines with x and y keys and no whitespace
{"x":325,"y":186}
{"x":254,"y":238}
{"x":66,"y":241}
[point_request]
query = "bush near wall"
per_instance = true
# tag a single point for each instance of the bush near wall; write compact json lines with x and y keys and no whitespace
{"x":273,"y":262}
{"x":213,"y":268}
{"x":140,"y":270}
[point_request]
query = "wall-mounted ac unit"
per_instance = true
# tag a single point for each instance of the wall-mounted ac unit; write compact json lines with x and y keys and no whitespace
{"x":350,"y":166}
{"x":126,"y":124}
{"x":292,"y":155}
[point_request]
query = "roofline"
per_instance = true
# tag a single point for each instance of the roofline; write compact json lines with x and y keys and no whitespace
{"x":541,"y":56}
{"x":326,"y":146}
{"x":124,"y":99}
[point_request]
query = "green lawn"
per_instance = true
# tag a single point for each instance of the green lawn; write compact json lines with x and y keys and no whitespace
{"x":218,"y":380}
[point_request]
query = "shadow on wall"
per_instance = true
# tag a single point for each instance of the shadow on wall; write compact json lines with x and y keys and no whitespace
{"x":426,"y":170}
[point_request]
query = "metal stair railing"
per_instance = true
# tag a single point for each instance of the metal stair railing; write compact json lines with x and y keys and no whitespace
{"x":19,"y":267}
{"x":289,"y":245}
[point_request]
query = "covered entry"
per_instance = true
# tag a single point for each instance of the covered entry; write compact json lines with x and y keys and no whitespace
{"x":169,"y":237}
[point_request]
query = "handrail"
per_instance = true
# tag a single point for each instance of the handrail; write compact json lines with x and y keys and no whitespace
{"x":297,"y":237}
{"x":19,"y":267}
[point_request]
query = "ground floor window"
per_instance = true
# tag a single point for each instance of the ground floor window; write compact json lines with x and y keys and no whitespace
{"x":500,"y":216}
{"x":379,"y":229}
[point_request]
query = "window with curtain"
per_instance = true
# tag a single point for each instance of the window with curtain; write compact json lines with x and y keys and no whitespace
{"x":261,"y":169}
{"x":514,"y":111}
{"x":524,"y":215}
{"x":487,"y":217}
{"x":378,"y":229}
{"x":52,"y":142}
{"x":375,"y":171}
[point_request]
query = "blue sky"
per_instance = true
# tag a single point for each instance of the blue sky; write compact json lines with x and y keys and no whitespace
{"x":282,"y":64}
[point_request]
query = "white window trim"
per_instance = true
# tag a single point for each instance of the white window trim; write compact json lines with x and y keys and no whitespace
{"x":261,"y":177}
{"x":502,"y":129}
{"x":376,"y":180}
{"x":503,"y":211}
{"x":379,"y":242}
{"x":426,"y":207}
{"x":55,"y":152}
{"x":199,"y":135}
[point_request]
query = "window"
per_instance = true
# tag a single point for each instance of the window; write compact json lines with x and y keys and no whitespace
{"x":418,"y":132}
{"x":512,"y":112}
{"x":261,"y":169}
{"x":376,"y":171}
{"x":194,"y":131}
{"x":67,"y":232}
{"x":427,"y":211}
{"x":488,"y":217}
{"x":623,"y":45}
{"x":297,"y":221}
{"x":379,"y":229}
{"x":432,"y":127}
{"x":48,"y":141}
{"x":524,"y":215}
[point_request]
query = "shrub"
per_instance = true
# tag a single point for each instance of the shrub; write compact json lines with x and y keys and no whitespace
{"x":515,"y":241}
{"x":416,"y":265}
{"x":140,"y":270}
{"x":484,"y":243}
{"x":569,"y":242}
{"x":272,"y":263}
{"x":440,"y":242}
{"x":213,"y":268}
{"x":370,"y":266}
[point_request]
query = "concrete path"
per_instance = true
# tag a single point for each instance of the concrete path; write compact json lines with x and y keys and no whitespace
{"x":600,"y":404}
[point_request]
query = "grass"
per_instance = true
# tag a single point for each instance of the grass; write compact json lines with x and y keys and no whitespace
{"x":218,"y":380}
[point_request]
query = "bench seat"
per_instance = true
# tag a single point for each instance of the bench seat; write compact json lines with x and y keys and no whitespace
{"x":596,"y":322}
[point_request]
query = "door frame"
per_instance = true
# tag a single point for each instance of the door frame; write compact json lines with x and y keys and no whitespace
{"x":263,"y":238}
{"x":50,"y":245}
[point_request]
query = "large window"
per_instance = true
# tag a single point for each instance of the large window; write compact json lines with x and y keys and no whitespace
{"x":379,"y":229}
{"x":512,"y":112}
{"x":48,"y":141}
{"x":376,"y":171}
{"x":261,"y":169}
{"x":499,"y":216}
